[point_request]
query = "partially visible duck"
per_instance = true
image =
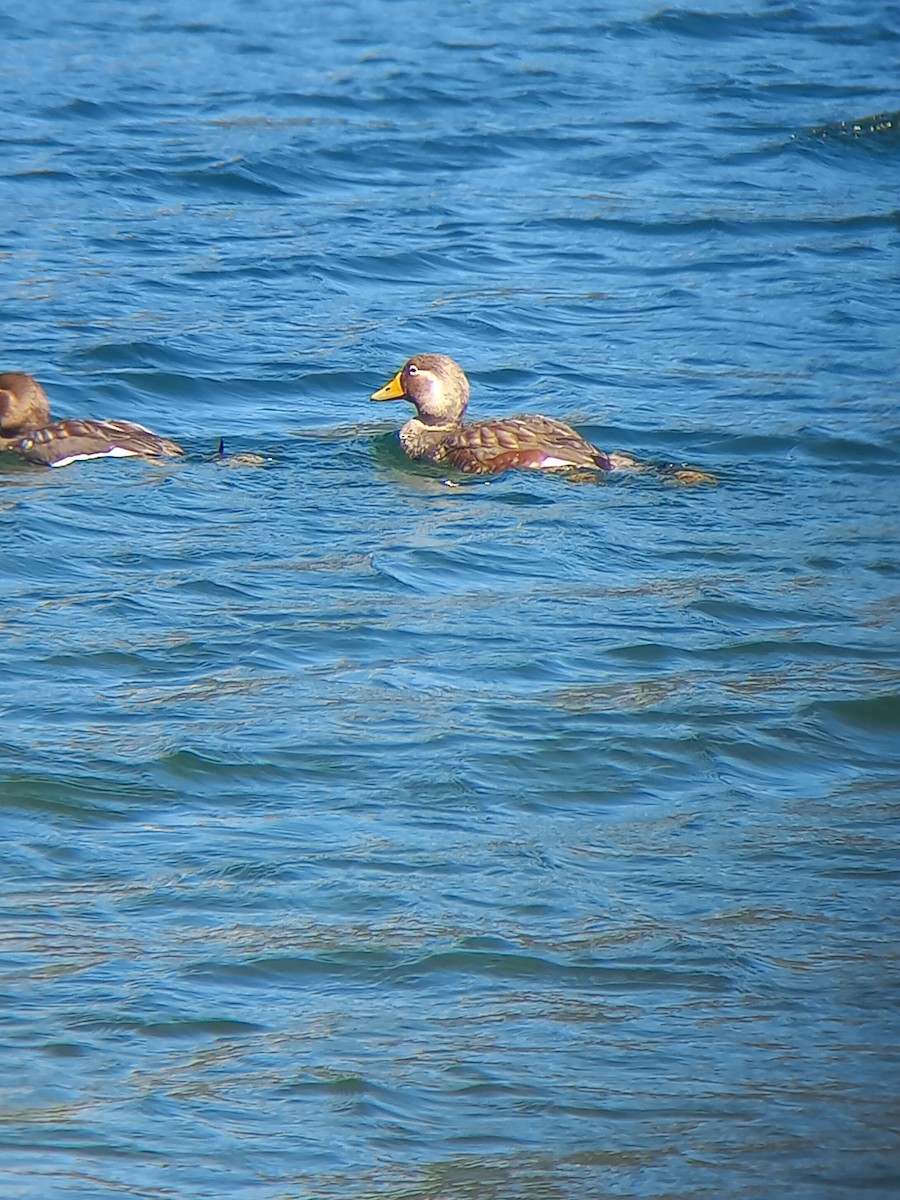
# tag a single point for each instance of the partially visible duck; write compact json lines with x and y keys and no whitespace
{"x":26,"y":428}
{"x":438,"y":389}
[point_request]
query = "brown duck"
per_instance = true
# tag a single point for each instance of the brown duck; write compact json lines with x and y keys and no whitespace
{"x":26,"y":428}
{"x":439,"y":390}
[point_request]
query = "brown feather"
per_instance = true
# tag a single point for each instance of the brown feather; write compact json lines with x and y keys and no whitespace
{"x":27,"y":430}
{"x":439,"y":390}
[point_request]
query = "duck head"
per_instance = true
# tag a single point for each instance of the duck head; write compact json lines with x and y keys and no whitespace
{"x":435,"y":384}
{"x":24,"y":406}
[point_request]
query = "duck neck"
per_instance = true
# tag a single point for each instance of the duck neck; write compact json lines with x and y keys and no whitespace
{"x":421,"y":441}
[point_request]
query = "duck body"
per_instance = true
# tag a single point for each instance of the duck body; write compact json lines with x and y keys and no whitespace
{"x":26,"y":428}
{"x":438,"y":389}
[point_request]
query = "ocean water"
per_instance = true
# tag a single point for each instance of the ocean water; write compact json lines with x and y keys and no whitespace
{"x":372,"y":833}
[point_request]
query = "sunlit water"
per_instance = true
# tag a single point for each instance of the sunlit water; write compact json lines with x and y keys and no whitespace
{"x":371,"y":834}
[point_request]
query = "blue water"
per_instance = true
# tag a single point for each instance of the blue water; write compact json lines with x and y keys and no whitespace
{"x":364,"y":835}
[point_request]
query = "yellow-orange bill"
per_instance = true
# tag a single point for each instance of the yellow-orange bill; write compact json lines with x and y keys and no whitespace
{"x":392,"y":390}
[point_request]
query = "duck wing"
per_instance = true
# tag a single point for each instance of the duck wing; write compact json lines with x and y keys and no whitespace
{"x":529,"y":441}
{"x":72,"y":440}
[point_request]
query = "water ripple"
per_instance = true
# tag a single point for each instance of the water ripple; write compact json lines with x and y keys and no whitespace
{"x":369,"y":831}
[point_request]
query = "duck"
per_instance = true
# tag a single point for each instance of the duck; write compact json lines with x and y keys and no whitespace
{"x":26,"y":428}
{"x":437,"y":387}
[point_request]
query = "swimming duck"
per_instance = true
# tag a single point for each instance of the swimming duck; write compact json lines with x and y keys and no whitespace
{"x":439,"y":390}
{"x":27,"y":429}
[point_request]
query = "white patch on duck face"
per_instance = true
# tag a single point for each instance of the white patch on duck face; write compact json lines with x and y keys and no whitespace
{"x":112,"y":452}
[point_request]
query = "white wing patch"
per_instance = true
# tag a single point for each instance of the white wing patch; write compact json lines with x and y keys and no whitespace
{"x":112,"y":452}
{"x":549,"y":462}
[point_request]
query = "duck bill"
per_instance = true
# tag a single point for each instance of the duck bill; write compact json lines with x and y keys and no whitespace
{"x":392,"y":390}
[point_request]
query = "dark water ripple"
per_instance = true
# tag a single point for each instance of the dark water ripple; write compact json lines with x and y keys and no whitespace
{"x":369,"y":833}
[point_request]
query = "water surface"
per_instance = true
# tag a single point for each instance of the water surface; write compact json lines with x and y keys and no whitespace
{"x":367,"y":834}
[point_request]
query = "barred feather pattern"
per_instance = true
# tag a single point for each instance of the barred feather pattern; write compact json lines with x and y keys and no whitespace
{"x":530,"y":442}
{"x":73,"y":439}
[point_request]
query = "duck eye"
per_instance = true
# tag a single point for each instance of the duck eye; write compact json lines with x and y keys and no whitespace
{"x":412,"y":369}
